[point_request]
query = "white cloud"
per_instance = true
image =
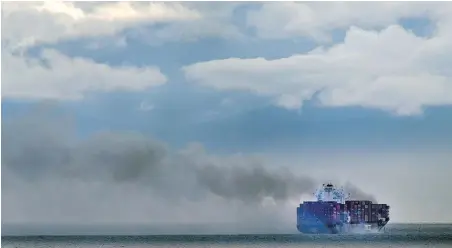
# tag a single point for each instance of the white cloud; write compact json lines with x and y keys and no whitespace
{"x":53,"y":21}
{"x":56,"y":76}
{"x":53,"y":75}
{"x":62,"y":77}
{"x":215,"y":21}
{"x":391,"y":69}
{"x":316,"y":20}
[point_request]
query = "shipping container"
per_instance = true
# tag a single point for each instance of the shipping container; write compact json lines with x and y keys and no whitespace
{"x":373,"y":215}
{"x":379,"y":211}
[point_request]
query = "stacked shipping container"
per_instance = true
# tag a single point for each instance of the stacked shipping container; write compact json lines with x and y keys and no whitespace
{"x":374,"y":213}
{"x":379,"y":211}
{"x":360,"y":211}
{"x":325,"y":211}
{"x":333,"y":212}
{"x":343,"y":213}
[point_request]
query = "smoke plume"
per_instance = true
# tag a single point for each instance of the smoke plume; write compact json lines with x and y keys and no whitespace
{"x":52,"y":175}
{"x":357,"y":194}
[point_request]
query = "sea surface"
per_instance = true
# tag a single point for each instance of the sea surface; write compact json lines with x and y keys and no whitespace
{"x":432,"y":235}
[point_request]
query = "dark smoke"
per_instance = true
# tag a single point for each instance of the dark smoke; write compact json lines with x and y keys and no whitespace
{"x":254,"y":183}
{"x":42,"y":147}
{"x":357,"y":194}
{"x":40,"y":144}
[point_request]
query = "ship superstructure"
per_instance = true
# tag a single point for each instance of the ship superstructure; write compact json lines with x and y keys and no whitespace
{"x":333,"y":212}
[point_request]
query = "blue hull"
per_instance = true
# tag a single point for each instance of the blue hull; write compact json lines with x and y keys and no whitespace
{"x":317,"y":227}
{"x":309,"y":223}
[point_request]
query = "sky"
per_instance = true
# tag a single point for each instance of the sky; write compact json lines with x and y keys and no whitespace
{"x":121,"y":113}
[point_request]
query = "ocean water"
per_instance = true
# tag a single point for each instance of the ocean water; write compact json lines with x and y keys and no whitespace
{"x":395,"y":236}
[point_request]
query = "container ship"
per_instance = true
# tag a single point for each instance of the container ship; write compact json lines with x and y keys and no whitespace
{"x":334,"y":213}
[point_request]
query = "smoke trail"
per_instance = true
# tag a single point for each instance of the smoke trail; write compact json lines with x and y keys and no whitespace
{"x":132,"y":173}
{"x":357,"y":194}
{"x":40,"y":143}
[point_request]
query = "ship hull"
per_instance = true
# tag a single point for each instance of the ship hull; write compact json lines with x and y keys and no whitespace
{"x":320,"y":228}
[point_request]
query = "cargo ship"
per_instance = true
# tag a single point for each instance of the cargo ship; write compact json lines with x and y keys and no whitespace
{"x":334,"y":213}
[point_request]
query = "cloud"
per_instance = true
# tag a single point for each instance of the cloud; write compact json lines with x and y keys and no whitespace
{"x":188,"y":31}
{"x":152,"y":22}
{"x":317,"y":20}
{"x":52,"y":176}
{"x":160,"y":22}
{"x":53,"y":75}
{"x":54,"y":21}
{"x":216,"y":21}
{"x":392,"y":69}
